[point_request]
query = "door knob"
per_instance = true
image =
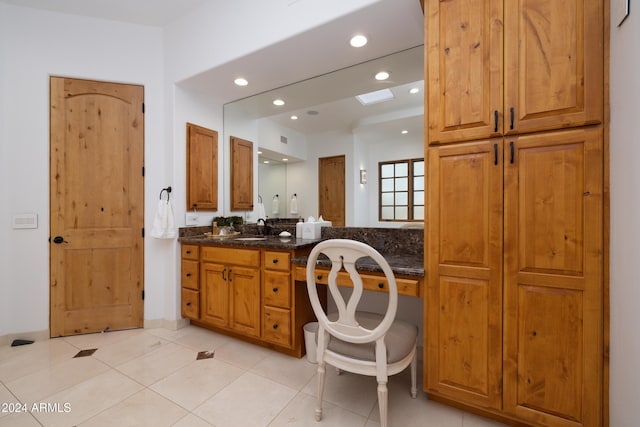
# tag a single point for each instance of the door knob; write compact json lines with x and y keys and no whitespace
{"x":59,"y":239}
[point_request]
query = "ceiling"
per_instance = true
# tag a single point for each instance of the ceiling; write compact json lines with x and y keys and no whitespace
{"x":391,"y":26}
{"x":155,"y":13}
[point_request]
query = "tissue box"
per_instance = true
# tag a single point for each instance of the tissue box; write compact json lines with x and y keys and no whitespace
{"x":310,"y":230}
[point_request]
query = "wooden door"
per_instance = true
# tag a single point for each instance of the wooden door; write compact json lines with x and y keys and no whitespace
{"x":202,"y":168}
{"x":96,"y":206}
{"x":464,"y":70}
{"x":214,"y":308}
{"x":553,"y":279}
{"x":245,"y":300}
{"x":553,"y":64}
{"x":331,"y":178}
{"x":463,"y":302}
{"x":241,"y":174}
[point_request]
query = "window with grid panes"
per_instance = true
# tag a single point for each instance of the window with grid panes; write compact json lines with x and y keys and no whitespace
{"x":401,"y":190}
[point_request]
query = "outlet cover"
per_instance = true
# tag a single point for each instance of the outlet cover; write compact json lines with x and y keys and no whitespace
{"x":191,"y":218}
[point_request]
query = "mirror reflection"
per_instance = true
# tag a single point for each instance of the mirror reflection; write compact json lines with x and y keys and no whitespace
{"x":345,"y":114}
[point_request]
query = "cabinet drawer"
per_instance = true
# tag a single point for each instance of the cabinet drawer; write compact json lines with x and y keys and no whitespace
{"x":277,"y":261}
{"x":190,"y":304}
{"x":277,"y":289}
{"x":190,"y":252}
{"x":277,"y":325}
{"x":410,"y":287}
{"x":244,"y":257}
{"x":189,"y":274}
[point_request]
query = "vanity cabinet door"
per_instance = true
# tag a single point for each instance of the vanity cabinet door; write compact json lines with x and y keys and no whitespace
{"x":202,"y":168}
{"x":244,"y":287}
{"x":241,"y":174}
{"x":215,"y":294}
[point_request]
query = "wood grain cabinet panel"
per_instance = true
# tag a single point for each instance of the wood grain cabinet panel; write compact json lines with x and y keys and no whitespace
{"x":511,"y":67}
{"x":241,"y":174}
{"x":463,"y":332}
{"x":202,"y":168}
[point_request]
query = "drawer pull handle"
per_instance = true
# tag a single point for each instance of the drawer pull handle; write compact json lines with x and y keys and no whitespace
{"x":275,"y":289}
{"x":381,"y":285}
{"x":275,"y":326}
{"x":275,"y":260}
{"x":223,"y":277}
{"x":188,"y":304}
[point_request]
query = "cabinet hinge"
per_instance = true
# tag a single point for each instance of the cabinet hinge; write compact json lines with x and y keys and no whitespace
{"x":143,"y":108}
{"x":143,"y":232}
{"x":143,"y":294}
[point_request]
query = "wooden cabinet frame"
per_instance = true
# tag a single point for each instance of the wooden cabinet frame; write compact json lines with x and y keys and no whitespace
{"x":202,"y":168}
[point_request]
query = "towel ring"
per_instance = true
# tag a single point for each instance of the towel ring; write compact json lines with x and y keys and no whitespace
{"x":260,"y":198}
{"x":168,"y":190}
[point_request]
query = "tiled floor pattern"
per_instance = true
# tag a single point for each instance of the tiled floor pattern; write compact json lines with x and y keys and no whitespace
{"x":150,"y":377}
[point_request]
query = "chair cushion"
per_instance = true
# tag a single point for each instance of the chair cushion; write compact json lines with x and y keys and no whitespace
{"x":400,"y":339}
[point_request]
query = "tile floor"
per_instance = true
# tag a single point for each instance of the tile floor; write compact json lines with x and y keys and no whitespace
{"x":150,"y":377}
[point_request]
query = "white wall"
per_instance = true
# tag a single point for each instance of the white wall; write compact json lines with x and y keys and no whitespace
{"x":37,"y":45}
{"x":625,"y":221}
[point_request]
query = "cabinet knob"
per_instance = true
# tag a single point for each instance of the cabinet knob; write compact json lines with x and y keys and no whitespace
{"x":188,"y":304}
{"x":275,"y":326}
{"x":275,"y":260}
{"x":319,"y":277}
{"x":188,"y":252}
{"x":188,"y":274}
{"x":275,"y":289}
{"x":381,"y":285}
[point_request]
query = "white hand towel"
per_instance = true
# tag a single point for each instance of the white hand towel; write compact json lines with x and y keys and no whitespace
{"x":293,"y":205}
{"x":164,"y":223}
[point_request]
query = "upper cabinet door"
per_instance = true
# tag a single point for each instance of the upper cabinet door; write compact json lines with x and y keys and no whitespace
{"x":241,"y":174}
{"x":553,"y":64}
{"x":464,"y":70}
{"x":202,"y":168}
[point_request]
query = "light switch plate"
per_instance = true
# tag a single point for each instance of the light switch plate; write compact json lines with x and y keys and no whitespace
{"x":191,"y":218}
{"x":25,"y":220}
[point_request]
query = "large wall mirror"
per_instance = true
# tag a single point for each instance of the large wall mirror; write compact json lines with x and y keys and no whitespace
{"x":347,"y":112}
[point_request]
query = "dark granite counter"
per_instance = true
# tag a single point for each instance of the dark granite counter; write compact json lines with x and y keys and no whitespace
{"x":196,"y":236}
{"x":402,"y":248}
{"x":400,"y":264}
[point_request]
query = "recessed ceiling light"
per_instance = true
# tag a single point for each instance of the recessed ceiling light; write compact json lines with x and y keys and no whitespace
{"x":259,"y":152}
{"x":241,"y":81}
{"x":294,"y":117}
{"x":284,"y":159}
{"x":414,"y":90}
{"x":266,"y":162}
{"x":278,"y":102}
{"x":358,"y":40}
{"x":404,"y":132}
{"x":382,"y":75}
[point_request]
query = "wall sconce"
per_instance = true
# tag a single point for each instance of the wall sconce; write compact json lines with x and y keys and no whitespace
{"x":363,"y":176}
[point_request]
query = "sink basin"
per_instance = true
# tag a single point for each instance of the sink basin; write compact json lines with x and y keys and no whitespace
{"x":250,"y":238}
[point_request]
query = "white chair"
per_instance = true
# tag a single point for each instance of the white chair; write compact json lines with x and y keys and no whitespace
{"x":355,"y":341}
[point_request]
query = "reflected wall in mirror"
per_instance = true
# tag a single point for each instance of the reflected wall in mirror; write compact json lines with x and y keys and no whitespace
{"x":322,"y":117}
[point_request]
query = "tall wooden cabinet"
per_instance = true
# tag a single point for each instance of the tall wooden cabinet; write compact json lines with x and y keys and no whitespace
{"x":514,"y":254}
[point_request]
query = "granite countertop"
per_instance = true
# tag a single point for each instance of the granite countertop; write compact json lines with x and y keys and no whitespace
{"x":274,"y":242}
{"x":403,"y":249}
{"x":409,"y":265}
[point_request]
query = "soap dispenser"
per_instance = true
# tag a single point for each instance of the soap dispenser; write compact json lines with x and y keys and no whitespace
{"x":299,"y":228}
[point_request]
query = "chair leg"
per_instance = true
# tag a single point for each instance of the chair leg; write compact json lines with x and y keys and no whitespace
{"x":414,"y":374}
{"x":383,"y":403}
{"x":321,"y":374}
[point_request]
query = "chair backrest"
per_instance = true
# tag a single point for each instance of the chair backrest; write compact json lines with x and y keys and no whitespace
{"x":343,"y":254}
